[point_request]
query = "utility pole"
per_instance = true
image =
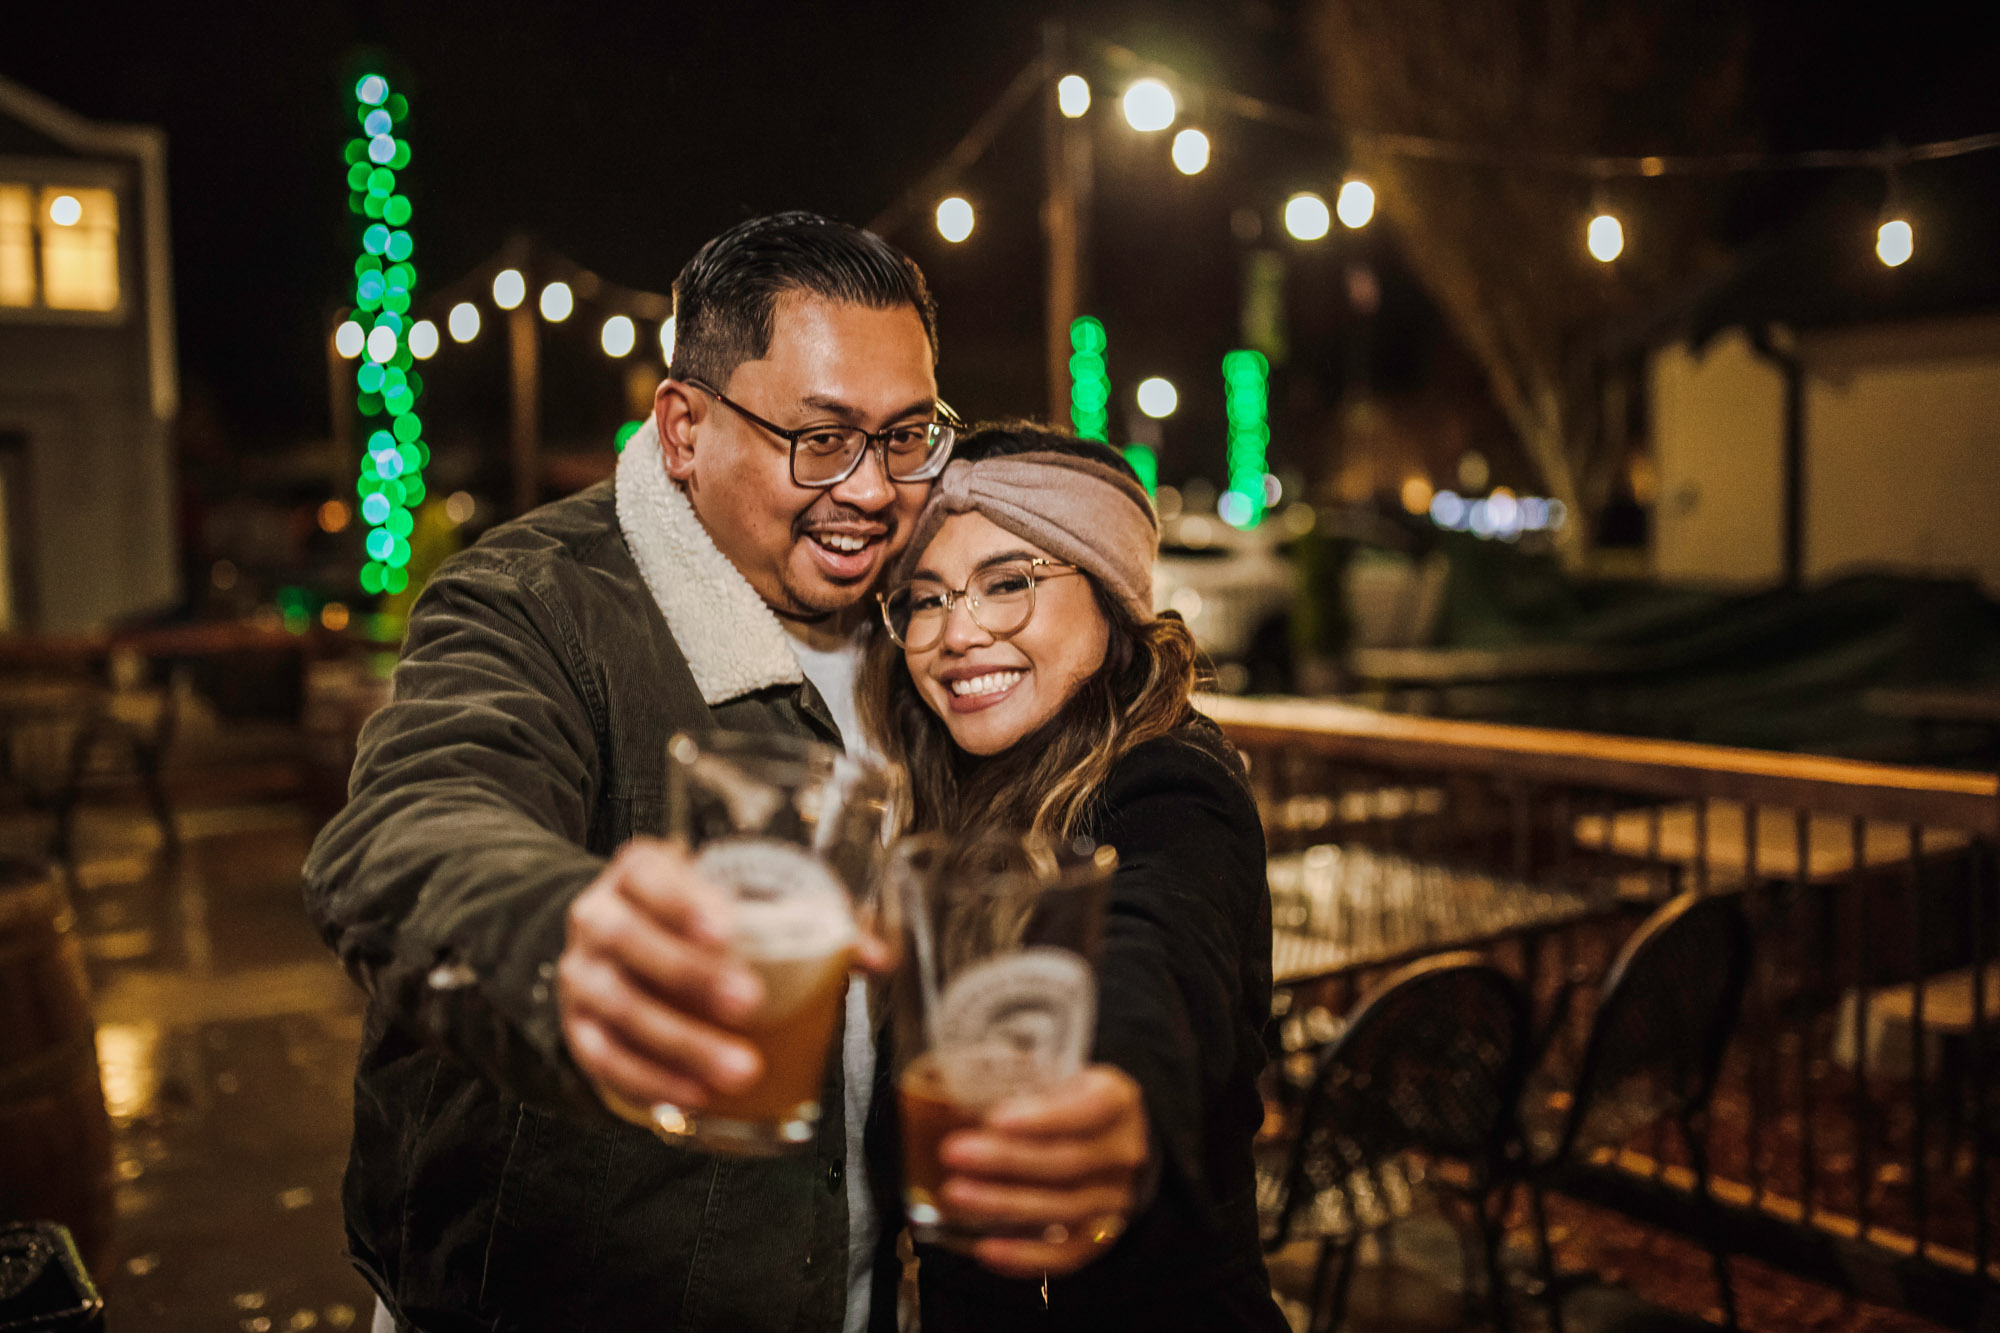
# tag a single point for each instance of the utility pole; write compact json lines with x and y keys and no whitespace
{"x":524,"y":380}
{"x":1065,"y":219}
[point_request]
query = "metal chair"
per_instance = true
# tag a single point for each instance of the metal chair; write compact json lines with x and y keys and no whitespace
{"x":1428,"y":1067}
{"x":1670,"y":1002}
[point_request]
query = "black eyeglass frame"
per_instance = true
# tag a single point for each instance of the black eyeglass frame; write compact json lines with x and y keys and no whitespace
{"x":877,"y":440}
{"x":952,"y":596}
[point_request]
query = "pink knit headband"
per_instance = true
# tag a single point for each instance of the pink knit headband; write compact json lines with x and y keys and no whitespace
{"x":1080,"y":511}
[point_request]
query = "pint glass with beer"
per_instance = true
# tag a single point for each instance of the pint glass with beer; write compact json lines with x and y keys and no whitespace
{"x":995,"y":993}
{"x":794,"y":833}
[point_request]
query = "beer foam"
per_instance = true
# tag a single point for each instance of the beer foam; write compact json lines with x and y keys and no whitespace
{"x":1018,"y":1022}
{"x":787,"y":904}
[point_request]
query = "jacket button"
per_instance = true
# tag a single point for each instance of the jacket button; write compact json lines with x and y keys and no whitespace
{"x":835,"y":1171}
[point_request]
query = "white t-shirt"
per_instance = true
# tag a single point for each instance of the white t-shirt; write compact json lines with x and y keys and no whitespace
{"x":833,"y":670}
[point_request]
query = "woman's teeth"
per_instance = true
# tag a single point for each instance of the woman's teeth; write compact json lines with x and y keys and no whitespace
{"x":840,"y":541}
{"x":990,"y":683}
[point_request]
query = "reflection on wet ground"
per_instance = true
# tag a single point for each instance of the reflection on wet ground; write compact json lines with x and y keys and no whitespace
{"x":226,"y":1038}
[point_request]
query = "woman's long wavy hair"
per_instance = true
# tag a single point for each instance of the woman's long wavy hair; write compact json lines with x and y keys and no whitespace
{"x":1047,"y":781}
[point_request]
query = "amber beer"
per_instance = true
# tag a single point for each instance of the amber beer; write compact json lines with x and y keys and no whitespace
{"x":792,"y":1033}
{"x":929,"y":1116}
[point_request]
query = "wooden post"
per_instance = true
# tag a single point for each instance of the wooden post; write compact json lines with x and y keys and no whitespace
{"x":524,"y":366}
{"x":1065,"y":220}
{"x":340,"y":407}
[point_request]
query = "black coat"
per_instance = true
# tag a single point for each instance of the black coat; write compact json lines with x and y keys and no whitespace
{"x":487,"y":1188}
{"x":1184,"y":994}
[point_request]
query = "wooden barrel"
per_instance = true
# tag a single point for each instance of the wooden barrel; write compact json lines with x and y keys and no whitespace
{"x":55,"y":1138}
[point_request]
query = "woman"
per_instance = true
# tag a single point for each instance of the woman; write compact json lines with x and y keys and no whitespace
{"x":1025,"y":682}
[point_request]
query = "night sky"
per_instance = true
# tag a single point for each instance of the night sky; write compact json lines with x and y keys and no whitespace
{"x":623,"y":134}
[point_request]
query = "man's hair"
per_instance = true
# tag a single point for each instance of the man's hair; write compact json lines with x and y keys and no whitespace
{"x":724,"y":298}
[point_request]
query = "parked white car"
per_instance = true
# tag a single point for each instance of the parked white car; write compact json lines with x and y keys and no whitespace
{"x":1234,"y":590}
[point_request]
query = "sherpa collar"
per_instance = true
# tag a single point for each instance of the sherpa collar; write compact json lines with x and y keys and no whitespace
{"x":733,"y":644}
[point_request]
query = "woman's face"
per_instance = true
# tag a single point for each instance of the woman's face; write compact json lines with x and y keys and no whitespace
{"x":991,"y":690}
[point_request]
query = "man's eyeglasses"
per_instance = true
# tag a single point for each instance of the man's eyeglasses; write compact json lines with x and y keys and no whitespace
{"x":825,"y":456}
{"x":1000,"y":599}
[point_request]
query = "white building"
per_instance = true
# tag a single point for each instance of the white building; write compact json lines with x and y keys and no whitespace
{"x":1898,"y":436}
{"x":88,"y":380}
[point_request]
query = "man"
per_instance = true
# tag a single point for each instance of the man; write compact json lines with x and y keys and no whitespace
{"x":526,"y":944}
{"x":512,"y":970}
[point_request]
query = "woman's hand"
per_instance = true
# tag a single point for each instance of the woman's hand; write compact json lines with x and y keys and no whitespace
{"x":1064,"y":1164}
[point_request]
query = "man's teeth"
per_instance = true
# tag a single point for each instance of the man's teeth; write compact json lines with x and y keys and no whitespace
{"x":990,"y":683}
{"x":840,"y":541}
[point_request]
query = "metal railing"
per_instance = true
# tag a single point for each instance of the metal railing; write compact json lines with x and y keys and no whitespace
{"x":1851,"y":1133}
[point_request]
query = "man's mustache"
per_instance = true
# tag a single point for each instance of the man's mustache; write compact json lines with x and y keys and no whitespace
{"x":830,"y":510}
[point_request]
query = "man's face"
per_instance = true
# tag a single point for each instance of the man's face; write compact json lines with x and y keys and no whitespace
{"x":808,"y":552}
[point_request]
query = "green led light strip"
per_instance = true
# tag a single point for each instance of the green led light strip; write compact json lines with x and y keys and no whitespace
{"x":1089,"y":379}
{"x":391,"y":484}
{"x":1246,"y":383}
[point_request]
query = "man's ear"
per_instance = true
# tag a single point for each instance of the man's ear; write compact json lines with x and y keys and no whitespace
{"x":676,"y":412}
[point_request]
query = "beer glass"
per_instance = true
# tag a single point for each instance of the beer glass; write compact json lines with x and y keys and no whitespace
{"x":795,"y":834}
{"x":995,"y":992}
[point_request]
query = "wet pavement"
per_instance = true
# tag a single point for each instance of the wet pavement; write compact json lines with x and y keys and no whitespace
{"x":226,"y":1039}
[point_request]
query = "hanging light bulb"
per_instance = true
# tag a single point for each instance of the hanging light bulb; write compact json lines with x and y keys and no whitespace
{"x":1355,"y":204}
{"x":1306,"y":216}
{"x":1895,"y":242}
{"x":954,"y":219}
{"x":1073,"y":95}
{"x":1149,"y":106}
{"x":619,"y":335}
{"x":557,"y":302}
{"x":1605,"y":237}
{"x":1190,"y":152}
{"x":509,"y":288}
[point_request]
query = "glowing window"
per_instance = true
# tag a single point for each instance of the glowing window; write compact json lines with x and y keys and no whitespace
{"x":17,"y":245}
{"x":79,"y":229}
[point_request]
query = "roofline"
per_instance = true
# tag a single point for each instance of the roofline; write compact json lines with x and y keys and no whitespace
{"x":147,"y":144}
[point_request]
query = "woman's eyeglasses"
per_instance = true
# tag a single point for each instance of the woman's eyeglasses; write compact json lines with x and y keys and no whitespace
{"x":999,"y":598}
{"x":824,"y":456}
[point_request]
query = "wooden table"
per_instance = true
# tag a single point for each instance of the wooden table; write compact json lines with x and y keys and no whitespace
{"x":1338,"y":911}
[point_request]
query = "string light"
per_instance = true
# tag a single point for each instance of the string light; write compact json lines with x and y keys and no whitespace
{"x":667,"y":342}
{"x":1157,"y":397}
{"x":1073,"y":95}
{"x":423,"y":340}
{"x":349,"y":339}
{"x":1191,"y":152}
{"x":954,"y":219}
{"x":65,"y":210}
{"x":1355,"y":204}
{"x":1306,"y":216}
{"x":1895,"y":242}
{"x":1149,"y":106}
{"x":557,"y":302}
{"x":509,"y":288}
{"x":619,"y":336}
{"x":463,"y":322}
{"x":1605,"y":237}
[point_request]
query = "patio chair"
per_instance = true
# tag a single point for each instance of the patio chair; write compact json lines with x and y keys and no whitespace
{"x":1670,"y":1002}
{"x":1428,"y":1067}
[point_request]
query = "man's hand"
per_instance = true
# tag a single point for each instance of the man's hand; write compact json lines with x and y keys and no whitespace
{"x":1064,"y":1164}
{"x":650,"y":995}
